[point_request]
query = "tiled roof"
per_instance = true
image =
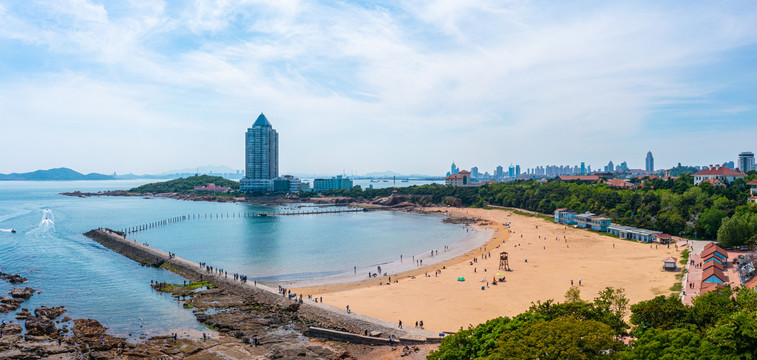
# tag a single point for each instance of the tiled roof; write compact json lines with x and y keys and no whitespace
{"x":713,"y":271}
{"x":578,"y":177}
{"x":716,"y":264}
{"x":708,"y":286}
{"x":753,"y":182}
{"x":719,"y":171}
{"x":670,"y":259}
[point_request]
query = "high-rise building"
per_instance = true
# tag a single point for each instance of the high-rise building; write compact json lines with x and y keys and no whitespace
{"x":499,"y":173}
{"x":511,"y":171}
{"x":650,"y":161}
{"x":517,"y":170}
{"x":610,"y":167}
{"x":474,"y":172}
{"x":583,"y":168}
{"x":453,"y":169}
{"x":261,"y":156}
{"x":746,"y":161}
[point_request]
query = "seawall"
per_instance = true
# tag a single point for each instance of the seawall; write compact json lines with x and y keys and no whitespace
{"x":338,"y":323}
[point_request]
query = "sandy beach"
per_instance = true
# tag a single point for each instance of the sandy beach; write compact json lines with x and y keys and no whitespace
{"x":544,"y":258}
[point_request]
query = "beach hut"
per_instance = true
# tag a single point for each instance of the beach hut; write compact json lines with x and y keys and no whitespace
{"x":460,"y":278}
{"x":670,"y":264}
{"x":713,"y":257}
{"x":713,"y":275}
{"x":663,"y":238}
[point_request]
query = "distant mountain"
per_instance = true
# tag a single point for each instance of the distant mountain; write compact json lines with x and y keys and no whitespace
{"x":53,"y":175}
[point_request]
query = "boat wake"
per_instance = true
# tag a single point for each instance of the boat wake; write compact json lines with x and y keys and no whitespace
{"x":6,"y":230}
{"x":46,"y":225}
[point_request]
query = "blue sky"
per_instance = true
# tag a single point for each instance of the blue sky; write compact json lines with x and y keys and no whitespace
{"x":149,"y":86}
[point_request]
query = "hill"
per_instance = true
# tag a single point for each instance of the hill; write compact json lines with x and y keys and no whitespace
{"x":58,"y":174}
{"x":184,"y":185}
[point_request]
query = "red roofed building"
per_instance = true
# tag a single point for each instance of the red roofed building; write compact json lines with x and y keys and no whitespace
{"x":718,"y":172}
{"x":583,"y":178}
{"x":620,"y":184}
{"x":708,"y":286}
{"x":212,"y":187}
{"x":713,"y":275}
{"x":462,"y":178}
{"x":752,"y":190}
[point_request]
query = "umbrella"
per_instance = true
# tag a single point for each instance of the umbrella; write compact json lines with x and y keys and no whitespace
{"x":460,"y":278}
{"x":500,"y":274}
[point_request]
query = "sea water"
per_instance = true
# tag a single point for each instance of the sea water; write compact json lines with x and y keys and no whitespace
{"x":94,"y":282}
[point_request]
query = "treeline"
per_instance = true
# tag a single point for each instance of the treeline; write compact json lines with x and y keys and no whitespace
{"x":719,"y":325}
{"x":676,"y":207}
{"x":185,"y":185}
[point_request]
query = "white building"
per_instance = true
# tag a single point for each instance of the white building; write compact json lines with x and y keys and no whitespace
{"x":718,"y":172}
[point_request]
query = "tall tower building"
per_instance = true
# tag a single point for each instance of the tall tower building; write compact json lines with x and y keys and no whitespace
{"x":746,"y":161}
{"x":650,"y":161}
{"x":261,"y":156}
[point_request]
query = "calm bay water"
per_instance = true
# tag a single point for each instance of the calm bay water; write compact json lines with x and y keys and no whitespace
{"x":92,"y":281}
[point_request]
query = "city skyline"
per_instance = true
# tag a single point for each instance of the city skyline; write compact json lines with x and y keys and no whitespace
{"x":148,"y":87}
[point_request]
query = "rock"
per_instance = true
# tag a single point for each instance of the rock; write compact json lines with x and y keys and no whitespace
{"x":24,"y":293}
{"x":11,"y":329}
{"x":40,"y":326}
{"x":13,"y":278}
{"x":66,"y":319}
{"x":36,"y":350}
{"x":88,"y":328}
{"x":292,"y":307}
{"x":23,"y":314}
{"x":49,"y":313}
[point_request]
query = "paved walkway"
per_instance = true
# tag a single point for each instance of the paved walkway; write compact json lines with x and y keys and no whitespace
{"x":329,"y":311}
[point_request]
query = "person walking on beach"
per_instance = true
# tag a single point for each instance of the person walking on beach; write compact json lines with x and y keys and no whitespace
{"x":400,"y":324}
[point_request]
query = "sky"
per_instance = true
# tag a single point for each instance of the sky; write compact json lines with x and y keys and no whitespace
{"x":356,"y":87}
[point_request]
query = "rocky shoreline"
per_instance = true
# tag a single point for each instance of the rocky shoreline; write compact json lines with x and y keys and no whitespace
{"x":238,"y":327}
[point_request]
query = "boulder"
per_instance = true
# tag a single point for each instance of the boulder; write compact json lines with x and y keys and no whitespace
{"x":12,"y":278}
{"x":11,"y":329}
{"x":24,"y":293}
{"x":49,"y":313}
{"x":40,"y":326}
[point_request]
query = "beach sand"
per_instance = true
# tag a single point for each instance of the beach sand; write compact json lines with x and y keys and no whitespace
{"x":542,"y":262}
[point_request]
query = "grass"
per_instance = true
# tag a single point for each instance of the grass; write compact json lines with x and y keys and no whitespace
{"x":211,"y":327}
{"x":677,"y":287}
{"x":187,"y":306}
{"x":684,"y":256}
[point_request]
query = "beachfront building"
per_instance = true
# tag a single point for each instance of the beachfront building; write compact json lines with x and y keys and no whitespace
{"x":713,"y":275}
{"x":663,"y":238}
{"x":718,"y":172}
{"x":590,"y":221}
{"x":669,"y":264}
{"x":261,"y":156}
{"x":463,"y":179}
{"x":632,"y":233}
{"x":565,"y":216}
{"x":213,"y":188}
{"x":335,"y":183}
{"x":289,"y":184}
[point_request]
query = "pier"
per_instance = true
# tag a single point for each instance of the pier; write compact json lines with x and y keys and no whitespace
{"x":214,"y":216}
{"x":332,"y":323}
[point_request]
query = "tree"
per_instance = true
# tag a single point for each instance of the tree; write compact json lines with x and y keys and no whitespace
{"x":667,"y":344}
{"x":662,"y":313}
{"x":561,"y":338}
{"x":573,"y":294}
{"x":737,"y":230}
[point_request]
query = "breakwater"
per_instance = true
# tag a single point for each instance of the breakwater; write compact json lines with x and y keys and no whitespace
{"x":320,"y":314}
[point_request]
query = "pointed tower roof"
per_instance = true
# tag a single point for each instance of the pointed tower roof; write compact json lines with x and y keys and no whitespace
{"x":262,"y":121}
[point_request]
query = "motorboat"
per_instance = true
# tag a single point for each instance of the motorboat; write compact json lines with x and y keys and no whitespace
{"x":13,"y":231}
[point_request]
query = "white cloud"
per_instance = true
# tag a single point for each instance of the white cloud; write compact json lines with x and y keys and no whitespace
{"x":496,"y":77}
